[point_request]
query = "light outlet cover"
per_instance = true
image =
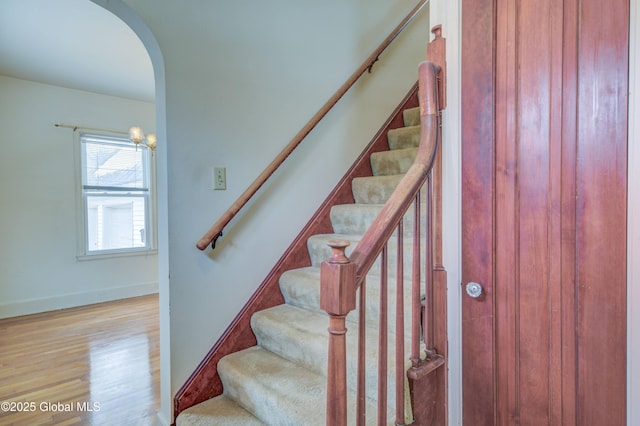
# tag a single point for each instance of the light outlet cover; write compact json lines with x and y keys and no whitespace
{"x":219,"y":178}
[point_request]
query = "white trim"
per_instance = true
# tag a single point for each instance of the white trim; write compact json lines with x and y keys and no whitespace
{"x":447,"y":13}
{"x":137,"y":24}
{"x":45,"y":304}
{"x":161,"y":419}
{"x":117,"y":253}
{"x":633,"y":222}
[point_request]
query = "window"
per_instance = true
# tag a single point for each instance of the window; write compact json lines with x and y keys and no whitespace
{"x":116,"y":195}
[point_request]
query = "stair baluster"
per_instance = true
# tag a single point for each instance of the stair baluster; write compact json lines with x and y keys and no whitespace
{"x":399,"y":367}
{"x":383,"y":337}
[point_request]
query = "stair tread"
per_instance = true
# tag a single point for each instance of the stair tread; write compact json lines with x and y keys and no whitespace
{"x":301,"y":336}
{"x":319,"y":250}
{"x":404,"y":137}
{"x":296,"y":334}
{"x":354,"y":239}
{"x":357,"y":218}
{"x":310,"y":327}
{"x":374,"y":189}
{"x":257,"y":373}
{"x":220,"y":410}
{"x":411,"y":116}
{"x":275,"y":390}
{"x":301,"y":288}
{"x":311,"y":274}
{"x":398,"y":161}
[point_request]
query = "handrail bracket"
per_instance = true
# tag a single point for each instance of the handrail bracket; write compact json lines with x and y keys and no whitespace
{"x":213,"y":243}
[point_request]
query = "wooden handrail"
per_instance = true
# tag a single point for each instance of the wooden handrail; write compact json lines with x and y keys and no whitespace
{"x":341,"y":276}
{"x":216,"y":230}
{"x":371,"y":244}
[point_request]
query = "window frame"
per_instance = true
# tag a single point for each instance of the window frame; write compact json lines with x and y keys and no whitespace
{"x":85,"y":191}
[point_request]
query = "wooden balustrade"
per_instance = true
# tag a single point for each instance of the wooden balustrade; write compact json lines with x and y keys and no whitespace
{"x":342,"y":276}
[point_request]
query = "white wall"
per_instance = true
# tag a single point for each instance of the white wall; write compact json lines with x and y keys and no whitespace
{"x":241,"y":78}
{"x":38,"y":266}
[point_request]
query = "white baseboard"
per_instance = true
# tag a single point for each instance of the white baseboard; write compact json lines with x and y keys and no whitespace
{"x":34,"y":306}
{"x":161,"y":419}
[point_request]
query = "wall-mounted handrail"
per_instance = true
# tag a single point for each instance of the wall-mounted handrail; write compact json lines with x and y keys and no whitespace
{"x":216,"y":230}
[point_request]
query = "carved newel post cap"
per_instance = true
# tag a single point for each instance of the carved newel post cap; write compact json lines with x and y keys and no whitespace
{"x":338,"y":281}
{"x":338,"y":248}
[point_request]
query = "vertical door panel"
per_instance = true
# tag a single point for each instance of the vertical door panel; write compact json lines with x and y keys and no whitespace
{"x":506,"y":196}
{"x":544,"y":211}
{"x":477,"y":217}
{"x":601,"y":211}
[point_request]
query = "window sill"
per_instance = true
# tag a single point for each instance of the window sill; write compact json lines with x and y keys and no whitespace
{"x":116,"y":254}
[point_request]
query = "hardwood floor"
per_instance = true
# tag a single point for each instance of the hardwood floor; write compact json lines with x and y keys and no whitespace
{"x":92,"y":365}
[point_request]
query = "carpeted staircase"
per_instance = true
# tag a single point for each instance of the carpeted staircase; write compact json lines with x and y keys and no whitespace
{"x":282,"y":380}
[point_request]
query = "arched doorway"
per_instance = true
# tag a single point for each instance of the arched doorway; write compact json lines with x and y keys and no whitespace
{"x":43,"y":144}
{"x":135,"y":22}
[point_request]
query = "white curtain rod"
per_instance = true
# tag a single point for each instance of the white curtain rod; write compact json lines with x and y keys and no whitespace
{"x":75,"y":127}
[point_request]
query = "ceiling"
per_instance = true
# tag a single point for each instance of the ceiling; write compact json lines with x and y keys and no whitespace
{"x":75,"y":44}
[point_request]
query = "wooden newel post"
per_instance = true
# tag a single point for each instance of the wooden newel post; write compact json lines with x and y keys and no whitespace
{"x":337,"y":298}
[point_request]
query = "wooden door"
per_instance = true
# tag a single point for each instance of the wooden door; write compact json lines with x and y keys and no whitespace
{"x":544,"y":154}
